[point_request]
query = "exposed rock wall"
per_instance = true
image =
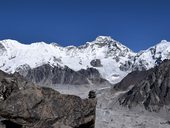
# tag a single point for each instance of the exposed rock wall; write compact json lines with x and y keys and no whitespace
{"x":48,"y":75}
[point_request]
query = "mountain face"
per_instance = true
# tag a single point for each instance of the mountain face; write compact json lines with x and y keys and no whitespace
{"x":48,"y":75}
{"x":109,"y":59}
{"x":152,"y":91}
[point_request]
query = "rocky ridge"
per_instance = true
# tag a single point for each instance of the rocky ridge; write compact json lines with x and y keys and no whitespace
{"x":52,"y":75}
{"x":151,"y":89}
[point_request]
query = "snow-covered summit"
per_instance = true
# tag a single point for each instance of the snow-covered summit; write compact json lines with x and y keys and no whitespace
{"x":103,"y":39}
{"x":148,"y":57}
{"x":115,"y":59}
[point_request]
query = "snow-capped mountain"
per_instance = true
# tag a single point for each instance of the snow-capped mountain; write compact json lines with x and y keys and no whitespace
{"x":109,"y":57}
{"x":147,"y":58}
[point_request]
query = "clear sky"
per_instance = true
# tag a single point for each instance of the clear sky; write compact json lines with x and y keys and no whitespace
{"x":138,"y":24}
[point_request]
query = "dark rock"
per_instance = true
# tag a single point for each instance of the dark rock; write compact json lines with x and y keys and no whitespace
{"x":9,"y":124}
{"x":48,"y":75}
{"x":24,"y":104}
{"x":23,"y":69}
{"x":153,"y":92}
{"x":2,"y":49}
{"x":140,"y":66}
{"x":93,"y":76}
{"x":131,"y":79}
{"x":96,"y":63}
{"x":167,"y":122}
{"x":92,"y":94}
{"x":125,"y":67}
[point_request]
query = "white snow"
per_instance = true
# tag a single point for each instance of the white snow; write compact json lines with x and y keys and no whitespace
{"x":111,"y":53}
{"x":76,"y":58}
{"x":162,"y":50}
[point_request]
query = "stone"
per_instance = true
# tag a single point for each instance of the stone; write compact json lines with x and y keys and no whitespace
{"x":92,"y":94}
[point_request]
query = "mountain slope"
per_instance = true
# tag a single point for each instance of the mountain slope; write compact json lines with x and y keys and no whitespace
{"x":152,"y":92}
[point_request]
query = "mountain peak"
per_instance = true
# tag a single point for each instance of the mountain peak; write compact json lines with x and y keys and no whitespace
{"x":164,"y":41}
{"x":9,"y":41}
{"x":11,"y":44}
{"x":55,"y":44}
{"x":103,"y":39}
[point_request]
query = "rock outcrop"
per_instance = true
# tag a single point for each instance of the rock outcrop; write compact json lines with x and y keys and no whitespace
{"x":24,"y":105}
{"x":96,"y":63}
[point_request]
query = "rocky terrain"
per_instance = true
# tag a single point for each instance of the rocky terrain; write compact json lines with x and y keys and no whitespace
{"x":140,"y":100}
{"x":152,"y":92}
{"x":25,"y":105}
{"x":110,"y":114}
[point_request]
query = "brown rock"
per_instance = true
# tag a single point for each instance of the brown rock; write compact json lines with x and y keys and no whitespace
{"x":31,"y":106}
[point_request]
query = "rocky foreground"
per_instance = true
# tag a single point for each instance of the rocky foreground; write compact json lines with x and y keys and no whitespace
{"x":24,"y":105}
